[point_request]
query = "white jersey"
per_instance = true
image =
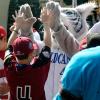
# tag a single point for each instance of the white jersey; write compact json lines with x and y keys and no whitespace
{"x":58,"y":61}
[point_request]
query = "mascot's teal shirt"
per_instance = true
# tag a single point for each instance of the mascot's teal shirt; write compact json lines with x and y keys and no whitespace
{"x":82,"y":75}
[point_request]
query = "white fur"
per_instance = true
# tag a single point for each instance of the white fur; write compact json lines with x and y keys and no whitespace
{"x":84,"y":10}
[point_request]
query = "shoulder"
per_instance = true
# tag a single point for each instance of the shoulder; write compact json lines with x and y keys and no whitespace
{"x":88,"y":53}
{"x":86,"y":56}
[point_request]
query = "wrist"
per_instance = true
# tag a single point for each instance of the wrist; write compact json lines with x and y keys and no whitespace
{"x":55,"y":25}
{"x":56,"y":28}
{"x":15,"y":30}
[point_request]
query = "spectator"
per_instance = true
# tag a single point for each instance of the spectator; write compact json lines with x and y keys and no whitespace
{"x":23,"y":72}
{"x":93,"y":30}
{"x":4,"y":88}
{"x":93,"y":40}
{"x":3,"y":41}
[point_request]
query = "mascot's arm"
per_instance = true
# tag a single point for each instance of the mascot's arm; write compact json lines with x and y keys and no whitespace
{"x":66,"y":40}
{"x":23,"y":25}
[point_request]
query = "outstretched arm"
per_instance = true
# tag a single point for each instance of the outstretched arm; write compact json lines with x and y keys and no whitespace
{"x":23,"y":25}
{"x":66,"y":40}
{"x":47,"y":35}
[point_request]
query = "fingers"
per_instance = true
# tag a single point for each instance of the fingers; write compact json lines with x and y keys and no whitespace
{"x":16,"y":13}
{"x":31,"y":20}
{"x":43,"y":13}
{"x":53,"y":7}
{"x":13,"y":17}
{"x":22,"y":15}
{"x":22,"y":9}
{"x":26,"y":9}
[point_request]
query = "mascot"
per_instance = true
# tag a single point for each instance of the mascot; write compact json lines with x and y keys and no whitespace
{"x":65,"y":41}
{"x":75,"y":19}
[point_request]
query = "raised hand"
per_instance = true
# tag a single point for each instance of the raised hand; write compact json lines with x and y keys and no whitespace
{"x":24,"y":20}
{"x":19,"y":19}
{"x":54,"y":12}
{"x":26,"y":9}
{"x":45,"y":16}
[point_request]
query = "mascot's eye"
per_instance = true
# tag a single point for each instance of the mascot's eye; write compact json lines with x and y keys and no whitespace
{"x":69,"y":12}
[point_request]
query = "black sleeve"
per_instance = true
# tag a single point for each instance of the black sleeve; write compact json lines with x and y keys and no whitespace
{"x":8,"y":55}
{"x":66,"y":95}
{"x":44,"y":57}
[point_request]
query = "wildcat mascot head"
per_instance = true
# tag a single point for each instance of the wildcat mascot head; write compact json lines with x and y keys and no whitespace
{"x":75,"y":18}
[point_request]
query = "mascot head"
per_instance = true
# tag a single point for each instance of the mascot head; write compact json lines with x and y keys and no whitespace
{"x":75,"y":19}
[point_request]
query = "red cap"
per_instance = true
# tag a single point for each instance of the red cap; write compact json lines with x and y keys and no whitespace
{"x":2,"y":32}
{"x":24,"y":46}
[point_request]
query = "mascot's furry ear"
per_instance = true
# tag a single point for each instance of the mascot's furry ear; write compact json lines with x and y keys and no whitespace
{"x":75,"y":18}
{"x":86,"y":8}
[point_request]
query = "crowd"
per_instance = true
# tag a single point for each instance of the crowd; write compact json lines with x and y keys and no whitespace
{"x":25,"y":60}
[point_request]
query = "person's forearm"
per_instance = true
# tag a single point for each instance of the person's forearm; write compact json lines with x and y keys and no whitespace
{"x":13,"y":36}
{"x":47,"y":35}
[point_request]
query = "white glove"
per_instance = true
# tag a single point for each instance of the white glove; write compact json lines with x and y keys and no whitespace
{"x":54,"y":9}
{"x":24,"y":20}
{"x":26,"y":9}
